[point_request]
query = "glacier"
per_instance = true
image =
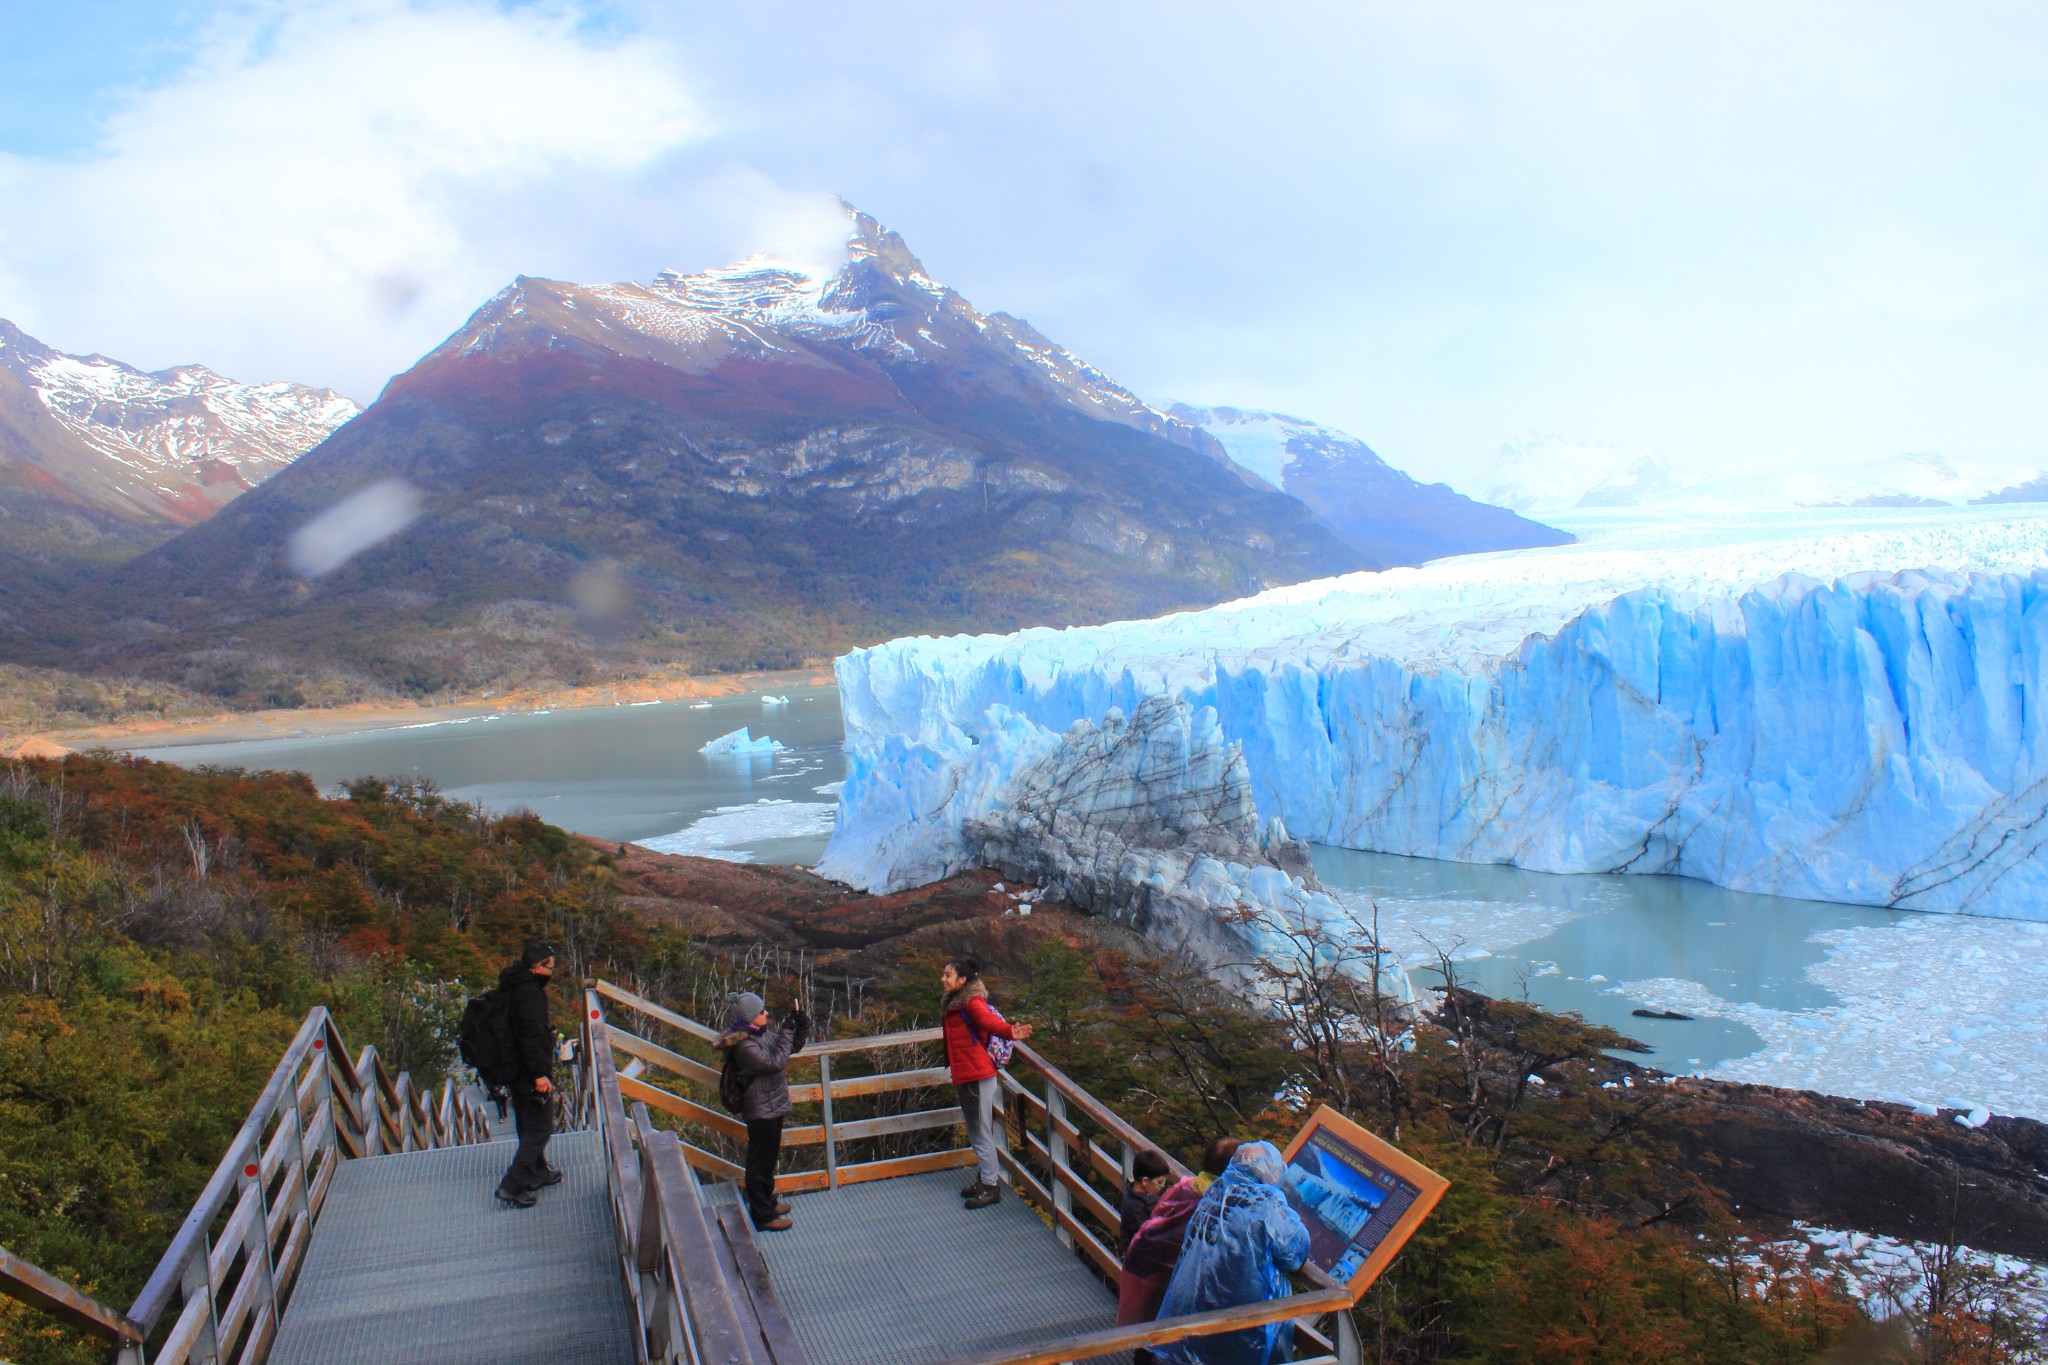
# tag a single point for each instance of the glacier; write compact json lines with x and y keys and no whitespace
{"x":1837,"y":706}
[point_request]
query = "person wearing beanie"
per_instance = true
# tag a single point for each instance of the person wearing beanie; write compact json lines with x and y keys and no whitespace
{"x":758,"y":1062}
{"x":525,"y":986}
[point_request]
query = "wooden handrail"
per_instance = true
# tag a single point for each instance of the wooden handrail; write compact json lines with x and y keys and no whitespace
{"x":164,"y":1280}
{"x":654,"y":1011}
{"x":873,"y":1042}
{"x":687,"y":1248}
{"x":1095,"y":1109}
{"x":1111,"y":1340}
{"x":60,"y":1300}
{"x":814,"y":1050}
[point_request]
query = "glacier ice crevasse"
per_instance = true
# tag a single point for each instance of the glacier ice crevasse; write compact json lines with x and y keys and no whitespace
{"x":1875,"y":739}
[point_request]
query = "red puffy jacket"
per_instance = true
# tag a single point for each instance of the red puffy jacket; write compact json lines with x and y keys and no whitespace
{"x":964,"y":1053}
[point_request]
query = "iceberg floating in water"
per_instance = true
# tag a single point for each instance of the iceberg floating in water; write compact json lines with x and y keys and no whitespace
{"x":1850,"y":713}
{"x":742,"y":742}
{"x":768,"y":702}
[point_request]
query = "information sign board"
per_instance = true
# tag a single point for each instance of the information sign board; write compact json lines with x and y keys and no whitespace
{"x":1360,"y":1198}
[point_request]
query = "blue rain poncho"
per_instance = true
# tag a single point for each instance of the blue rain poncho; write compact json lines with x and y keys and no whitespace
{"x":1241,"y":1240}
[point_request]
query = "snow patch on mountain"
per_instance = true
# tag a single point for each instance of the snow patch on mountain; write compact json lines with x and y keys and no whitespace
{"x":175,"y":432}
{"x":1854,"y":714}
{"x":1387,"y":516}
{"x":1265,"y":443}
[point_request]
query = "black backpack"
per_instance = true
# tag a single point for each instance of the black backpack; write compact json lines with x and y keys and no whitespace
{"x":485,"y":1040}
{"x":732,"y":1091}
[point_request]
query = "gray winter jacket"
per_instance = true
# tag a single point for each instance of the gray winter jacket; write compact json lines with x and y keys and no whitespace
{"x":762,"y":1060}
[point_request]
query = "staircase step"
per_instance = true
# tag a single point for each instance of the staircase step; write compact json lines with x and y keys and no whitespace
{"x":415,"y":1262}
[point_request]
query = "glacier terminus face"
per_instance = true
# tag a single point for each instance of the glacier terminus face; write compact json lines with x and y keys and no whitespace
{"x":1838,"y":705}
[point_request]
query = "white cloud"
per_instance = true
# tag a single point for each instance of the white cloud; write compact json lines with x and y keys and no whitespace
{"x":328,"y":189}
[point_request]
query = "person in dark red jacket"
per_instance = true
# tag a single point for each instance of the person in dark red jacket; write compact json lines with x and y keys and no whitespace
{"x":969,"y":1023}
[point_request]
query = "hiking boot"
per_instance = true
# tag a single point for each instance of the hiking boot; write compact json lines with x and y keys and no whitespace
{"x":990,"y":1194}
{"x":969,"y":1191}
{"x":548,"y":1176}
{"x":518,"y":1199}
{"x":781,"y":1224}
{"x":781,"y":1207}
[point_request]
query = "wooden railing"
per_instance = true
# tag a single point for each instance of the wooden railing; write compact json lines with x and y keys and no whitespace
{"x":831,"y":1133}
{"x":231,"y":1266}
{"x":1063,"y":1148}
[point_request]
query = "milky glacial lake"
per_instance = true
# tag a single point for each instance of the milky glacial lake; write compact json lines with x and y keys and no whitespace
{"x":618,"y":772}
{"x":1945,"y":1009}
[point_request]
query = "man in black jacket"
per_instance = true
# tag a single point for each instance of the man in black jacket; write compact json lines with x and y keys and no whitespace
{"x":525,"y":984}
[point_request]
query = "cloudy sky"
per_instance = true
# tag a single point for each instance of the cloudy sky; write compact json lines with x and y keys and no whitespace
{"x":1742,"y":236}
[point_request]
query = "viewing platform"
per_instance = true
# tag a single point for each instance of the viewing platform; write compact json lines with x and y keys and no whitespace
{"x":353,"y":1220}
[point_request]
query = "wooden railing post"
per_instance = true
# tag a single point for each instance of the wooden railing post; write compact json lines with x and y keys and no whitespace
{"x":196,"y":1280}
{"x":1350,"y":1349}
{"x":370,"y":1102}
{"x":402,"y":1092}
{"x":256,"y":1241}
{"x":302,"y":1198}
{"x":323,"y":1090}
{"x":1062,"y":1156}
{"x":831,"y":1140}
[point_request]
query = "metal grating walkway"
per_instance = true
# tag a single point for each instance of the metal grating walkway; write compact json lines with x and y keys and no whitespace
{"x":897,"y":1271}
{"x":413,"y":1262}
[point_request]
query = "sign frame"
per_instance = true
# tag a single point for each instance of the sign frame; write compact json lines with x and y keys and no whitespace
{"x":1430,"y":1188}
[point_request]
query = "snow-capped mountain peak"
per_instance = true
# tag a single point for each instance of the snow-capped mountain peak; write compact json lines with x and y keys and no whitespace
{"x":877,"y":299}
{"x":167,"y":444}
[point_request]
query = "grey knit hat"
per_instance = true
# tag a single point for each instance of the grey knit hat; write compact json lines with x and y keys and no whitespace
{"x":742,"y":1008}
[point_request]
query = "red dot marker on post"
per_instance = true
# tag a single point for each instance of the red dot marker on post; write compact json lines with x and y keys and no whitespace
{"x":597,"y":1014}
{"x":249,"y":1170}
{"x":319,"y":1043}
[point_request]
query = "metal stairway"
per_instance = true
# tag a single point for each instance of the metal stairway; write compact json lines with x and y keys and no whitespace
{"x":415,"y":1263}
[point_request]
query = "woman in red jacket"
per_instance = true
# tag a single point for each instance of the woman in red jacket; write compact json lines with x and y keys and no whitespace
{"x":969,"y":1023}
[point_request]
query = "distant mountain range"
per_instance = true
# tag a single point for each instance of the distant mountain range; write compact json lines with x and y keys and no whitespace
{"x":1386,"y":516}
{"x":1553,"y":478}
{"x":100,"y":460}
{"x":754,"y":466}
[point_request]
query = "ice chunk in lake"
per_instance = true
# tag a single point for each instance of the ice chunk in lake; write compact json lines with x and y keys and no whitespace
{"x":1848,"y":706}
{"x":769,"y":703}
{"x":741,"y":743}
{"x":728,"y":832}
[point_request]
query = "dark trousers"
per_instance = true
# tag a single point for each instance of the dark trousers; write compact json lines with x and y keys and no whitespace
{"x":534,"y":1115}
{"x":764,"y":1149}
